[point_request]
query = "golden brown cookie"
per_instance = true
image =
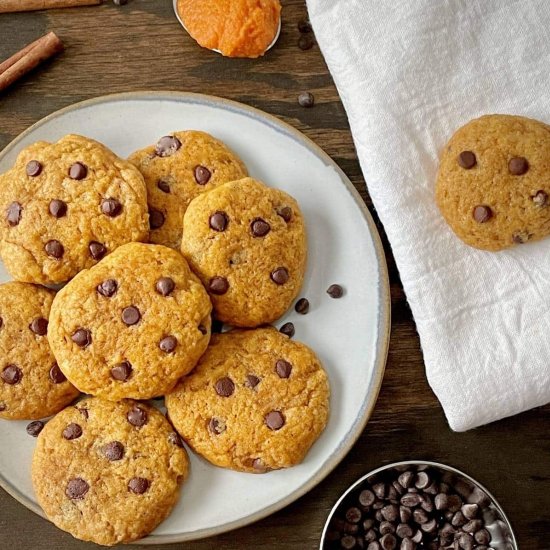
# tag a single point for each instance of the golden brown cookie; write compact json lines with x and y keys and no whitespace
{"x":108,"y":472}
{"x":257,"y":401}
{"x":247,"y":243}
{"x":31,"y":384}
{"x":176,"y":170}
{"x":132,"y":325}
{"x":493,"y":184}
{"x":64,"y":206}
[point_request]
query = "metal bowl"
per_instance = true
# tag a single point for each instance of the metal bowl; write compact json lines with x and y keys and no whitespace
{"x":496,"y":522}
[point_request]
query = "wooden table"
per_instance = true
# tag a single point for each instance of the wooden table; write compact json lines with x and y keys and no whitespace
{"x":141,"y":46}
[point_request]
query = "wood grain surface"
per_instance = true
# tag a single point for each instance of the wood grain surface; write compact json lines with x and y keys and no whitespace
{"x":141,"y":46}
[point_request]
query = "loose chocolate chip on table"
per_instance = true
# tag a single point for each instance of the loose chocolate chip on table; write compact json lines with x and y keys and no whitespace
{"x":306,"y":42}
{"x":13,"y":214}
{"x":113,"y":451}
{"x":286,"y":213}
{"x":283,"y":368}
{"x":168,"y":344}
{"x":12,"y":375}
{"x":54,"y":249}
{"x":336,"y":291}
{"x":202,"y":175}
{"x":167,"y":146}
{"x":34,"y":168}
{"x":175,"y":439}
{"x":76,"y":488}
{"x":107,"y":288}
{"x":131,"y":315}
{"x":56,"y":376}
{"x":218,"y":285}
{"x":57,"y":208}
{"x":366,"y":498}
{"x":78,"y":171}
{"x":288,"y":329}
{"x":218,"y":221}
{"x":540,"y":198}
{"x":224,"y":387}
{"x":97,"y":250}
{"x":518,"y":166}
{"x":122,"y":371}
{"x":304,"y":26}
{"x":274,"y":420}
{"x":302,"y":306}
{"x":467,"y":160}
{"x":39,"y":326}
{"x":482,"y":213}
{"x":280,"y":275}
{"x":72,"y":431}
{"x":137,"y":416}
{"x":259,"y":227}
{"x":306,"y":99}
{"x":217,"y":426}
{"x":138,"y":485}
{"x":165,"y":285}
{"x":111,"y":207}
{"x":251,"y":381}
{"x":164,"y":186}
{"x":34,"y":428}
{"x":156,"y":218}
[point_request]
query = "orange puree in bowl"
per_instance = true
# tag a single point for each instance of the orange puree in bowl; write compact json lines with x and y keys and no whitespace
{"x":237,"y":28}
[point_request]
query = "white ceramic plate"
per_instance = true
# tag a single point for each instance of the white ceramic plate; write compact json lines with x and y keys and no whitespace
{"x":350,"y":335}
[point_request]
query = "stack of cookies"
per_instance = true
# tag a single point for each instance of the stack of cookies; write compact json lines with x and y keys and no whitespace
{"x":133,"y":322}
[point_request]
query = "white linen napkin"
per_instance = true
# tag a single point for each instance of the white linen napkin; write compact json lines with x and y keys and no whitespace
{"x":409,"y":74}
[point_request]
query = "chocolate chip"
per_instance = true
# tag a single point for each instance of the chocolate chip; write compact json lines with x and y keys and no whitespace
{"x":403,"y":530}
{"x":418,"y":536}
{"x":370,"y":533}
{"x":285,"y":212}
{"x":113,"y":451}
{"x":366,"y":498}
{"x":306,"y":100}
{"x":420,"y":516}
{"x":351,"y":528}
{"x":465,"y":541}
{"x":202,"y":175}
{"x":78,"y":171}
{"x":218,"y":285}
{"x":122,"y":371}
{"x":470,"y":511}
{"x":379,"y":490}
{"x":302,"y":306}
{"x":353,"y":515}
{"x":482,"y":537}
{"x":478,"y":497}
{"x":405,"y":514}
{"x":202,"y":329}
{"x":83,"y":412}
{"x":280,"y":275}
{"x":13,"y":214}
{"x":156,"y":218}
{"x":224,"y":387}
{"x":454,"y":503}
{"x":76,"y":488}
{"x":441,"y":502}
{"x":82,"y":337}
{"x":306,"y":42}
{"x":39,"y":326}
{"x":467,"y":160}
{"x":283,"y":368}
{"x":336,"y":291}
{"x":304,"y":26}
{"x":288,"y":330}
{"x":472,"y":526}
{"x":111,"y":207}
{"x":164,"y":186}
{"x":138,"y":485}
{"x":175,"y":439}
{"x":56,"y":376}
{"x":482,"y":213}
{"x":54,"y":249}
{"x":131,"y":315}
{"x":137,"y":416}
{"x":458,"y":519}
{"x":167,"y":146}
{"x":217,"y":426}
{"x":390,"y":512}
{"x":168,"y":344}
{"x":429,"y":526}
{"x":520,"y":237}
{"x":97,"y":250}
{"x":348,"y":542}
{"x":407,"y":544}
{"x":251,"y":381}
{"x":34,"y":428}
{"x":107,"y":288}
{"x":165,"y":285}
{"x":540,"y":198}
{"x":259,"y":227}
{"x":388,"y":542}
{"x":72,"y":431}
{"x":411,"y":500}
{"x":34,"y":168}
{"x":218,"y":221}
{"x":12,"y":375}
{"x":422,"y":480}
{"x":259,"y":465}
{"x":274,"y":420}
{"x":58,"y":208}
{"x":518,"y":166}
{"x":386,"y":527}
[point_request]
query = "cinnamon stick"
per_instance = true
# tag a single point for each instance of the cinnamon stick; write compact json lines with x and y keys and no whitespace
{"x":28,"y":58}
{"x":10,"y":6}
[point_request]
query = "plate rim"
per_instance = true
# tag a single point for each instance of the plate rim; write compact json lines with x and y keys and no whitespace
{"x":383,"y":320}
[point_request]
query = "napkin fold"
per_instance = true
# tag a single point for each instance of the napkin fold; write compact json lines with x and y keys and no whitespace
{"x":409,"y":74}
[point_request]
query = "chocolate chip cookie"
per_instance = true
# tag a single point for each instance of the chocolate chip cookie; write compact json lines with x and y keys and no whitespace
{"x":132,"y":325}
{"x":247,"y":243}
{"x":493,"y":184}
{"x":257,"y":401}
{"x":176,"y":170}
{"x":31,"y":383}
{"x":66,"y":205}
{"x":108,"y":472}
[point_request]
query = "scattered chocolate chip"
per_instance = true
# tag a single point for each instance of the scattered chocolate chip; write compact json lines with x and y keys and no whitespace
{"x":540,"y":198}
{"x":335,"y":291}
{"x":366,"y":498}
{"x":259,"y":227}
{"x":78,"y":171}
{"x":34,"y":428}
{"x":111,"y":207}
{"x":306,"y":99}
{"x":482,"y":213}
{"x":138,"y":485}
{"x":218,"y":221}
{"x":137,"y":416}
{"x":285,"y":212}
{"x":76,"y":488}
{"x":72,"y":431}
{"x":217,"y":426}
{"x":518,"y":166}
{"x":302,"y":306}
{"x":34,"y":168}
{"x":165,"y":285}
{"x":13,"y":214}
{"x":251,"y":381}
{"x":274,"y":420}
{"x":56,"y":376}
{"x":306,"y":42}
{"x":82,"y":337}
{"x":156,"y":218}
{"x":224,"y":387}
{"x":12,"y":375}
{"x":283,"y":368}
{"x":167,"y":146}
{"x":57,"y":208}
{"x":107,"y":288}
{"x":467,"y":160}
{"x":54,"y":249}
{"x":39,"y":326}
{"x":288,"y":330}
{"x":113,"y":451}
{"x":168,"y":344}
{"x":164,"y":186}
{"x":280,"y":275}
{"x":304,"y":26}
{"x":130,"y":315}
{"x":218,"y":285}
{"x":202,"y":175}
{"x":175,"y":439}
{"x":122,"y":371}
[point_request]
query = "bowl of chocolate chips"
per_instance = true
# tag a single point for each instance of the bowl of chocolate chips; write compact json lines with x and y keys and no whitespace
{"x":417,"y":505}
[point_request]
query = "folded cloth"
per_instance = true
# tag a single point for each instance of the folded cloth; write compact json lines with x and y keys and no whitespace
{"x":409,"y":74}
